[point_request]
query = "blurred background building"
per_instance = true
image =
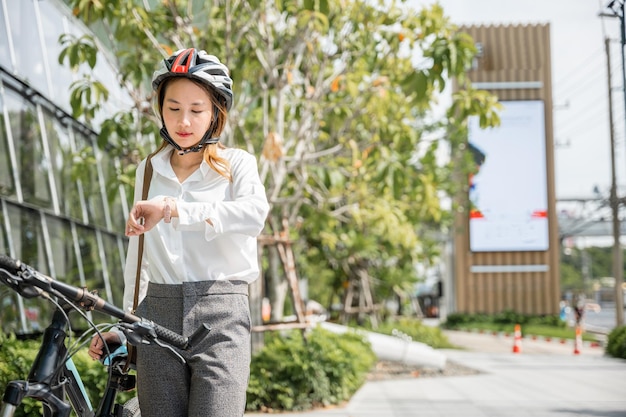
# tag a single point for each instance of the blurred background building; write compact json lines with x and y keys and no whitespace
{"x":56,"y":214}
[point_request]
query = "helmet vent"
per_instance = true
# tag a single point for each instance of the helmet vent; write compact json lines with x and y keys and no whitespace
{"x":184,"y":61}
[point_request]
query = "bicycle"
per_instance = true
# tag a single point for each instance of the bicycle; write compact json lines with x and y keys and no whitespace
{"x":53,"y":379}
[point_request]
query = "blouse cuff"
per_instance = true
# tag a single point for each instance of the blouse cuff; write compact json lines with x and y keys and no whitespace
{"x":194,"y":217}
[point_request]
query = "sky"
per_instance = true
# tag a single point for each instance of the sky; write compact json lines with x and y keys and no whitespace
{"x":579,"y":83}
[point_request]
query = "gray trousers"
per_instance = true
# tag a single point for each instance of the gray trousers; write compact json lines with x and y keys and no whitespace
{"x":214,"y":380}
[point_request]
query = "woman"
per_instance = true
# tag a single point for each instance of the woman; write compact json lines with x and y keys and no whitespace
{"x":205,"y":208}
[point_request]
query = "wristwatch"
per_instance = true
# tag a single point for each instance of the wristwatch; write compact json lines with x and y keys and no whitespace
{"x":167,"y":210}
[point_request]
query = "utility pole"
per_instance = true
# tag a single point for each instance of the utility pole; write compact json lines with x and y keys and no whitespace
{"x":618,"y":268}
{"x":617,"y":10}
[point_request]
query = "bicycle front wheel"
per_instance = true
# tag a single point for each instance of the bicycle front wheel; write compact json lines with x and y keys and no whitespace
{"x":131,"y":408}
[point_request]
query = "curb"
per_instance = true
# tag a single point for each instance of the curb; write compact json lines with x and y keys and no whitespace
{"x":535,"y":338}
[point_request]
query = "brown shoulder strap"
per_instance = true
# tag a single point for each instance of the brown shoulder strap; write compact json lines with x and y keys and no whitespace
{"x":147,"y":176}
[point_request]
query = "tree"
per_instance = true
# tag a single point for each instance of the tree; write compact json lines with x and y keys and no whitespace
{"x":336,"y":96}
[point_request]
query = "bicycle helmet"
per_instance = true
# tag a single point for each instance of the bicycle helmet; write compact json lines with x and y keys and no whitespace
{"x":196,"y":65}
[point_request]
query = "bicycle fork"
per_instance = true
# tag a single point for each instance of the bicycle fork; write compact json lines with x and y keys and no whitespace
{"x":16,"y":391}
{"x":42,"y":374}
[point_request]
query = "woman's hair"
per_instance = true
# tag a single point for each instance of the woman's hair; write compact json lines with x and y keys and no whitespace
{"x":217,"y":163}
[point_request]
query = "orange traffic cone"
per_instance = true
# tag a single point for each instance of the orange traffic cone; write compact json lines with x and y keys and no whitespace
{"x":266,"y":310}
{"x":578,"y":342}
{"x":517,"y":344}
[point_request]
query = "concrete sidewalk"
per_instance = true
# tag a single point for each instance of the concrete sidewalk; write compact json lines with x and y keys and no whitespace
{"x":545,"y":380}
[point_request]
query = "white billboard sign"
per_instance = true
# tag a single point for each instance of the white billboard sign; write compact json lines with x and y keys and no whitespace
{"x":508,"y":191}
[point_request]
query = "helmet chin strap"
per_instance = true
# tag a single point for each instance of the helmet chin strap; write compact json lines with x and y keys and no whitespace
{"x":206,"y":140}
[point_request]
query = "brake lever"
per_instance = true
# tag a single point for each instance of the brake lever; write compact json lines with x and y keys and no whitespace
{"x":172,"y":351}
{"x":138,"y":333}
{"x":142,"y":332}
{"x":18,"y":285}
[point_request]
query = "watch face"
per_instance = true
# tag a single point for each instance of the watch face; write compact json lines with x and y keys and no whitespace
{"x":167,"y":211}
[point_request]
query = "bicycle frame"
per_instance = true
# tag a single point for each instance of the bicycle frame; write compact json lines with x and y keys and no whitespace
{"x":50,"y":378}
{"x":46,"y":374}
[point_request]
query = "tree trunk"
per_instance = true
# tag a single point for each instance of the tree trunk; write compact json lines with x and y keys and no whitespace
{"x":276,"y":284}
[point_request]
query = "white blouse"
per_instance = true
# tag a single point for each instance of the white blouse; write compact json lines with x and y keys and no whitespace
{"x":189,"y":249}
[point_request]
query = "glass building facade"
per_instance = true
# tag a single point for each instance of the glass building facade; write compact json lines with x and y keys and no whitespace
{"x":57,"y":215}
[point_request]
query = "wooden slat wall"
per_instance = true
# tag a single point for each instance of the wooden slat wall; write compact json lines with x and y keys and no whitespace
{"x":512,"y":54}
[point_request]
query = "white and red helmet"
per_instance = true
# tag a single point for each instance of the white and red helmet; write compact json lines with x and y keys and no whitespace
{"x":195,"y":64}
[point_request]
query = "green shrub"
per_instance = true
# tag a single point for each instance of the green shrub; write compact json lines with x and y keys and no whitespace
{"x":290,"y":373}
{"x":460,"y":320}
{"x":544,"y":326}
{"x":293,"y":372}
{"x":16,"y":359}
{"x":503,"y":319}
{"x":616,"y":342}
{"x":419,"y":332}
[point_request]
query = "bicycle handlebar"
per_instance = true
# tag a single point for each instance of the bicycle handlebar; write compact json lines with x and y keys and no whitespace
{"x":28,"y":282}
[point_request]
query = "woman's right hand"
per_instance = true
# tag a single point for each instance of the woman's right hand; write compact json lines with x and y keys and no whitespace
{"x":96,"y":347}
{"x":146,"y":214}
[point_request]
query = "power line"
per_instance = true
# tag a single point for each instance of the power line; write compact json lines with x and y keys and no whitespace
{"x":581,"y":72}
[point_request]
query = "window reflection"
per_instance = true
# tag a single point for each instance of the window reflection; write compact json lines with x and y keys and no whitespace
{"x":90,"y":181}
{"x":114,"y":267}
{"x":67,"y":266}
{"x":52,"y":22}
{"x":113,"y":193}
{"x":104,"y":73}
{"x":89,"y":253}
{"x":7,"y":182}
{"x":4,"y":241}
{"x":9,"y":311}
{"x":32,"y":163}
{"x":61,"y":156}
{"x":28,"y":244}
{"x":9,"y":304}
{"x":66,"y":263}
{"x":25,"y":35}
{"x":4,"y":44}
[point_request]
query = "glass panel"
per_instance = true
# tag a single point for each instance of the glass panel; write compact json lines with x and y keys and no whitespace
{"x":4,"y":44}
{"x":25,"y":35}
{"x":4,"y":241}
{"x":9,"y":311}
{"x":114,"y":268}
{"x":89,"y":253}
{"x":107,"y":75}
{"x":27,"y":237}
{"x":66,"y":263}
{"x":64,"y":258}
{"x":92,"y":265}
{"x":32,"y":163}
{"x":7,"y":182}
{"x":90,"y":181}
{"x":52,"y":22}
{"x":61,"y":155}
{"x":114,"y":196}
{"x":83,"y":70}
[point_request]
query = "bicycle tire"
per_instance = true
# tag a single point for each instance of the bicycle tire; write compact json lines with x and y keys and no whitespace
{"x":131,"y":408}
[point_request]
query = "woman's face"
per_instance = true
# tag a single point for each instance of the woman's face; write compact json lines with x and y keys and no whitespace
{"x":187,"y":111}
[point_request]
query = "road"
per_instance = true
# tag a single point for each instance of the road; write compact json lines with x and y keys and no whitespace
{"x":603,"y":320}
{"x":545,"y":380}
